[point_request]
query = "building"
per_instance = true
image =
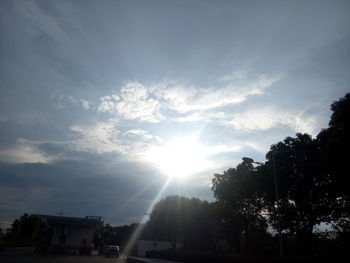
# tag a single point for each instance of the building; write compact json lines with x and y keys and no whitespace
{"x":72,"y":235}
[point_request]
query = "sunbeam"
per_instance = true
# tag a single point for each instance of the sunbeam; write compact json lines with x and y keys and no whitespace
{"x":131,"y":242}
{"x":136,"y":195}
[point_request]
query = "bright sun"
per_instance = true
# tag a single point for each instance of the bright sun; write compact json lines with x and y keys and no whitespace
{"x":179,"y":158}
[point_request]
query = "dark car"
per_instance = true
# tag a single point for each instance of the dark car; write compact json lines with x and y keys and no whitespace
{"x":112,"y":251}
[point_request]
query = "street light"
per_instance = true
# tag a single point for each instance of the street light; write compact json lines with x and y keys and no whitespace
{"x":279,"y":229}
{"x":250,"y":160}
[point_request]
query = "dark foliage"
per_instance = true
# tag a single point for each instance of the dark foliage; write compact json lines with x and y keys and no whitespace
{"x":179,"y":219}
{"x":303,"y":183}
{"x":28,"y":230}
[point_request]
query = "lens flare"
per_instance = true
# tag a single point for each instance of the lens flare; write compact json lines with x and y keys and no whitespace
{"x":179,"y":158}
{"x":133,"y":239}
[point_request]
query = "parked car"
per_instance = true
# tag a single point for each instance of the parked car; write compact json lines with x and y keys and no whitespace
{"x":112,"y":251}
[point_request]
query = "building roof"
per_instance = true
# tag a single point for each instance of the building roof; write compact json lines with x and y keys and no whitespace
{"x":65,"y":220}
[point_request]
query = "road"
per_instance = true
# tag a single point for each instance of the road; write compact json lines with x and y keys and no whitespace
{"x":27,"y":256}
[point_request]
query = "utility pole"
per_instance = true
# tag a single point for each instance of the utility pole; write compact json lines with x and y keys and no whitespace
{"x":279,"y":228}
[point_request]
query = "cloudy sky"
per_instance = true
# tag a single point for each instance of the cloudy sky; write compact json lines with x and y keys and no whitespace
{"x":103,"y":101}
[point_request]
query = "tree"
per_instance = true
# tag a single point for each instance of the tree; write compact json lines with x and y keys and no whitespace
{"x":334,"y":145}
{"x":179,"y":219}
{"x":312,"y":181}
{"x":28,"y":229}
{"x":237,"y":190}
{"x":167,"y":217}
{"x":303,"y":200}
{"x":226,"y":225}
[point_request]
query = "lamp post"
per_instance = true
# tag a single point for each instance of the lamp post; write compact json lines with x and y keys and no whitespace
{"x":279,"y":229}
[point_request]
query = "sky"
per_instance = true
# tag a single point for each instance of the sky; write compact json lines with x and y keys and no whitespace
{"x":108,"y":106}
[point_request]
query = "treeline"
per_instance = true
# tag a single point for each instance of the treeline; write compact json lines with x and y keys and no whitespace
{"x":299,"y":196}
{"x":25,"y":231}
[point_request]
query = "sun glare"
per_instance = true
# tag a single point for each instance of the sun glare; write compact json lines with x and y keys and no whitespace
{"x":180,"y":158}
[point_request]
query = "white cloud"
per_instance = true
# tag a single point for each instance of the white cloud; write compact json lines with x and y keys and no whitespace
{"x":86,"y":104}
{"x":201,"y":116}
{"x":176,"y":95}
{"x":133,"y":102}
{"x":148,"y":102}
{"x":235,"y":75}
{"x":221,"y":148}
{"x":108,"y":103}
{"x":134,"y":91}
{"x":100,"y":137}
{"x":305,"y":123}
{"x":263,"y":119}
{"x":140,"y":133}
{"x":105,"y":137}
{"x":24,"y":151}
{"x":183,"y":98}
{"x":255,"y":120}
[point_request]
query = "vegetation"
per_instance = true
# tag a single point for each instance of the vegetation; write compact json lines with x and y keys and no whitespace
{"x":28,"y":230}
{"x":179,"y":219}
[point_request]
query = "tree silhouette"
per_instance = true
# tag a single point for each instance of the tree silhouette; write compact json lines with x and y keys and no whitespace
{"x":334,"y":144}
{"x":237,"y":191}
{"x":312,"y":183}
{"x":301,"y":200}
{"x":179,"y":219}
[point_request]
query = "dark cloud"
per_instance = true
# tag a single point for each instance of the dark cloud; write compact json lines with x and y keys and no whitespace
{"x":80,"y":187}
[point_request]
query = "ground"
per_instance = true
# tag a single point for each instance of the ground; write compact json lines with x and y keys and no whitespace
{"x":27,"y":256}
